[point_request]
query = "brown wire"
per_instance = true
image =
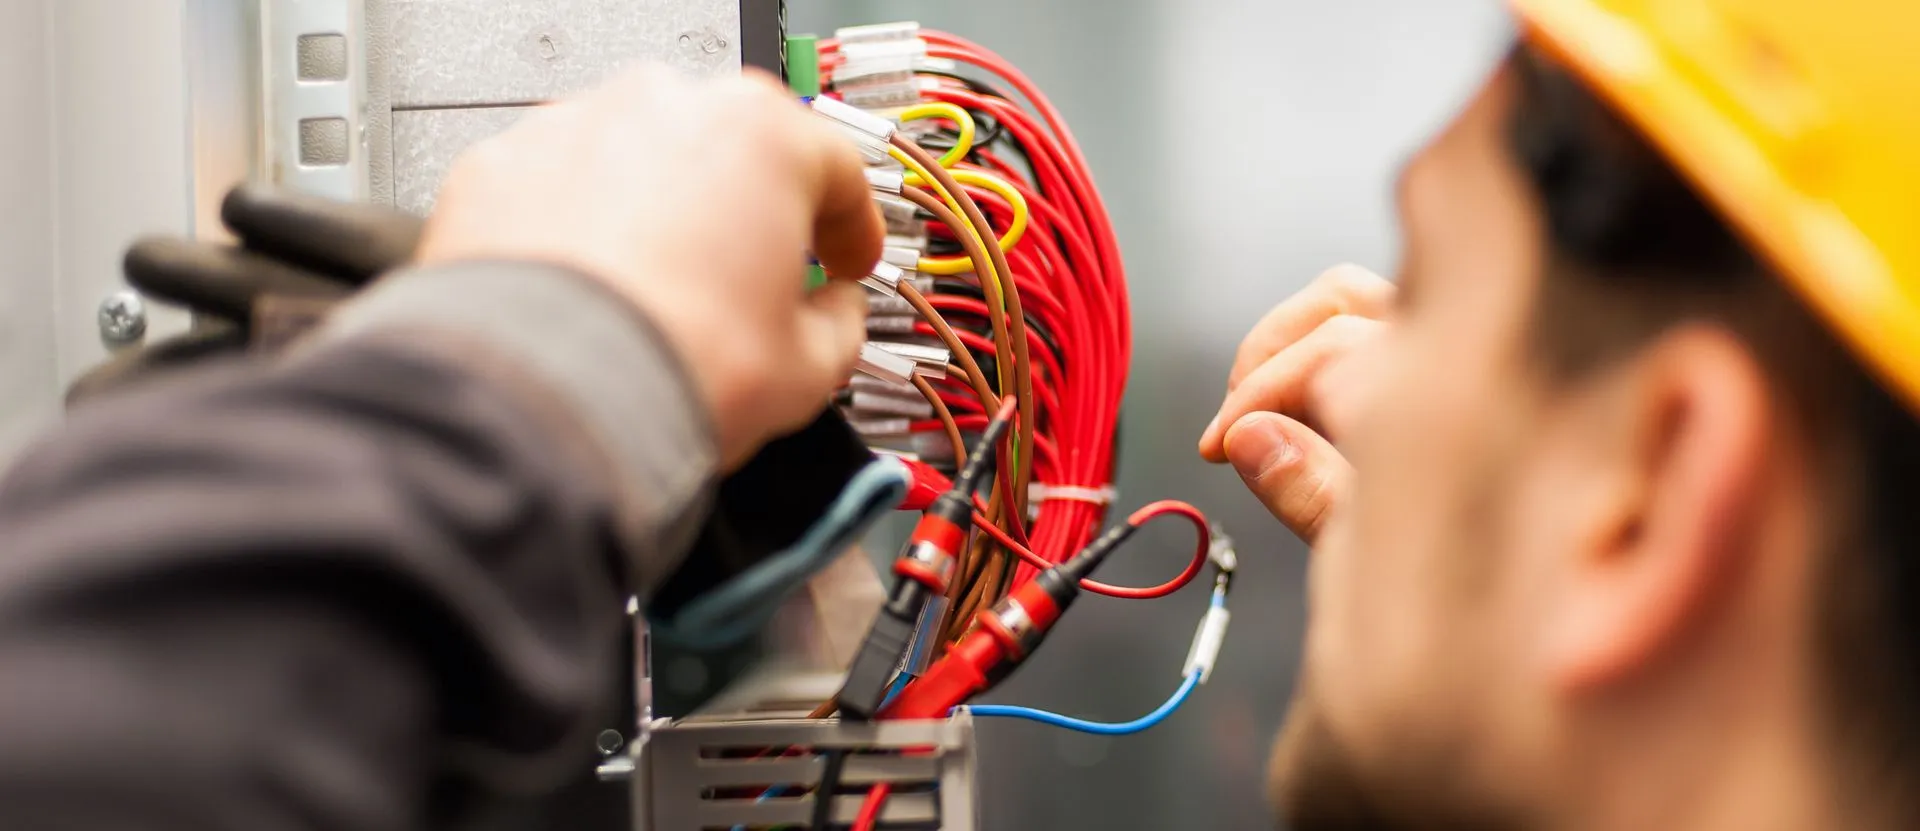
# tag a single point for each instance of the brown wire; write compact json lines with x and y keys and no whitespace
{"x":941,"y":328}
{"x":946,"y":421}
{"x":1012,"y":481}
{"x":1015,"y":314}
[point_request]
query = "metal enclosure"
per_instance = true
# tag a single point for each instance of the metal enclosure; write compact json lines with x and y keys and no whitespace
{"x":134,"y":117}
{"x":930,"y":765}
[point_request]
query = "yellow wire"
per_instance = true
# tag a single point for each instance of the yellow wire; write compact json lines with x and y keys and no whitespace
{"x":985,"y":272}
{"x":946,"y":266}
{"x":961,"y":119}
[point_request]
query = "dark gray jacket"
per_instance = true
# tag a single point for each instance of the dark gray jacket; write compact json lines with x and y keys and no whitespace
{"x":370,"y":586}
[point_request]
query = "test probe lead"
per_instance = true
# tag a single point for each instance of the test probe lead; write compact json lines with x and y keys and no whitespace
{"x":924,"y":571}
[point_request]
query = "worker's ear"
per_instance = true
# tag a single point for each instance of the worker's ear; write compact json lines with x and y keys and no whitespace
{"x":1681,"y":435}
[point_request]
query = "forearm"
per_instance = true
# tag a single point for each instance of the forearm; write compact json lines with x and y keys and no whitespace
{"x":301,"y":595}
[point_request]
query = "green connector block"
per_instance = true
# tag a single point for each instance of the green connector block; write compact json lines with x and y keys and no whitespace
{"x":816,"y":277}
{"x":803,"y":64}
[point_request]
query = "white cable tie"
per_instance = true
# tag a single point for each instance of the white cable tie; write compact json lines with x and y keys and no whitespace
{"x":1207,"y":641}
{"x":1042,"y":492}
{"x":872,"y":32}
{"x":885,"y":365}
{"x":887,"y":179}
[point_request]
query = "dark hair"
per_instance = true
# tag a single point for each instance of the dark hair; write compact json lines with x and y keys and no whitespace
{"x":1634,"y":251}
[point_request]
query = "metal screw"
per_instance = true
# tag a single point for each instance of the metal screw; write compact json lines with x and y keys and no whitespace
{"x":123,"y":317}
{"x":609,"y":742}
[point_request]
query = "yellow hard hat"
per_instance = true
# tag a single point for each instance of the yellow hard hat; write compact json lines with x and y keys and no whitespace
{"x":1799,"y":120}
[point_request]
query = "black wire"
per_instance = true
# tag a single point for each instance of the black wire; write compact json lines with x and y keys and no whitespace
{"x":984,"y":88}
{"x":824,"y":793}
{"x":987,"y":130}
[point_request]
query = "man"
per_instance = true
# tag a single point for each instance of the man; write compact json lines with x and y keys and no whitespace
{"x":1618,"y":533}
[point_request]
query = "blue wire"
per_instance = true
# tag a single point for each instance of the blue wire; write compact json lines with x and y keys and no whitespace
{"x":1095,"y":727}
{"x":900,"y":682}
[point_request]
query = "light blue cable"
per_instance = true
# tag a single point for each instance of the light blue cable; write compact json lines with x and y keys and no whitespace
{"x":1099,"y":728}
{"x":899,"y":683}
{"x":744,"y":605}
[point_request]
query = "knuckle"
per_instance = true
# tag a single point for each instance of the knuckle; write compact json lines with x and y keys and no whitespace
{"x":1353,"y":285}
{"x":1346,"y":329}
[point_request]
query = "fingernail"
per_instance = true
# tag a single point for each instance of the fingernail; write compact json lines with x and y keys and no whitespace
{"x":1213,"y":427}
{"x":1259,"y":445}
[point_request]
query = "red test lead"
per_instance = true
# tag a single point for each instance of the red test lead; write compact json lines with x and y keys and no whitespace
{"x":922,"y":573}
{"x":1003,"y":636}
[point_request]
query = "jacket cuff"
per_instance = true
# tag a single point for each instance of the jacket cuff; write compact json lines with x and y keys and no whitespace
{"x":604,"y":362}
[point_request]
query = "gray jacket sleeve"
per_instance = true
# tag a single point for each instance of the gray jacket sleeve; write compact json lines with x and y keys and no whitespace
{"x":377,"y":584}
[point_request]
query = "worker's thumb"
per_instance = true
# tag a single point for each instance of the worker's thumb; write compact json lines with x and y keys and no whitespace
{"x":1294,"y":471}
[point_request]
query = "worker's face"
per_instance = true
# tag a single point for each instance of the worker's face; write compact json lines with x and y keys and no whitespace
{"x":1414,"y":689}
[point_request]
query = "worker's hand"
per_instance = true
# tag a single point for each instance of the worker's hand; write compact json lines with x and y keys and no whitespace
{"x":1268,"y":427}
{"x":697,"y":202}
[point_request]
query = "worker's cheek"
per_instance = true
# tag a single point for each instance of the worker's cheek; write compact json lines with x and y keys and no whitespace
{"x":1403,"y":409}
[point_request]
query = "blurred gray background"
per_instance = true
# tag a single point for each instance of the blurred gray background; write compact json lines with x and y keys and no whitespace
{"x":1242,"y":146}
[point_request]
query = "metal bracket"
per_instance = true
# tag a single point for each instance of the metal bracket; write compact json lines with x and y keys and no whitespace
{"x":314,"y":96}
{"x":688,"y":768}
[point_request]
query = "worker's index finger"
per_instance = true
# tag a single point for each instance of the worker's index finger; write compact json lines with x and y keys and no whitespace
{"x":847,"y":229}
{"x":1345,"y":289}
{"x":1283,"y":383}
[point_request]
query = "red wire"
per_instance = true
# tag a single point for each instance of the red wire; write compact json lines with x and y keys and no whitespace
{"x":1139,"y":518}
{"x":1071,"y":277}
{"x":869,"y":815}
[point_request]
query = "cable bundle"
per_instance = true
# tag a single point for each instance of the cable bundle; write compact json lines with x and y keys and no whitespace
{"x":1018,"y":279}
{"x":999,"y":308}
